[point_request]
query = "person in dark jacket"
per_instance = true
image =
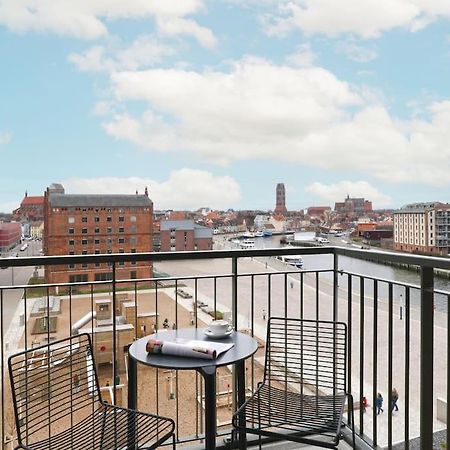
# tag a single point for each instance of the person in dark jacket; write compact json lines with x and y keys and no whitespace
{"x":379,"y":403}
{"x":394,"y":400}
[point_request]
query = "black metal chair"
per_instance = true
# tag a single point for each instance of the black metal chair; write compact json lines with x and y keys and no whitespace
{"x":58,"y":404}
{"x":303,"y":392}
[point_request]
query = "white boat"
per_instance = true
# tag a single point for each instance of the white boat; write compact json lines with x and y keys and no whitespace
{"x":248,"y":235}
{"x":247,"y":244}
{"x":259,"y":234}
{"x":267,"y":233}
{"x":293,"y":260}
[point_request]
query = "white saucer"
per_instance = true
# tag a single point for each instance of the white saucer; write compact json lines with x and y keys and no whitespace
{"x":217,"y":336}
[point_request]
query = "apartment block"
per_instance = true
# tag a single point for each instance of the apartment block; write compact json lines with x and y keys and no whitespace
{"x":97,"y":224}
{"x":423,"y":228}
{"x":10,"y":235}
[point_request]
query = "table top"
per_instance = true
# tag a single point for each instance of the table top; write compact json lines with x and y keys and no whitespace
{"x":244,"y":346}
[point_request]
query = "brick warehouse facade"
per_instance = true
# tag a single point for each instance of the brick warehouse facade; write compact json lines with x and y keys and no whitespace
{"x":97,"y":224}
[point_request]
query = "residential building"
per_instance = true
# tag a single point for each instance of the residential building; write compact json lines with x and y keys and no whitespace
{"x":318,"y":211}
{"x":184,"y":235}
{"x":10,"y":235}
{"x":97,"y":224}
{"x":280,"y":207}
{"x":423,"y":228}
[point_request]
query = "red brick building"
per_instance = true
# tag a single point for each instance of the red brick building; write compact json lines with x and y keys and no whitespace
{"x":280,"y":200}
{"x":184,"y":235}
{"x":318,"y":211}
{"x":10,"y":235}
{"x":97,"y":224}
{"x":31,"y":209}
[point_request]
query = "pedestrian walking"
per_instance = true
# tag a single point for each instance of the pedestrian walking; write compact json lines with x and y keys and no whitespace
{"x":379,"y":403}
{"x":364,"y":404}
{"x":76,"y":383}
{"x":394,"y":397}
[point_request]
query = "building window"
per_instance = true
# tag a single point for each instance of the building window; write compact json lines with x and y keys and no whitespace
{"x":109,"y":241}
{"x":132,"y":218}
{"x":71,"y":219}
{"x":121,"y":241}
{"x":84,"y":219}
{"x":71,"y":230}
{"x":71,"y":242}
{"x":96,"y":241}
{"x":133,"y":240}
{"x":133,"y":275}
{"x":103,"y":276}
{"x":82,"y":278}
{"x":109,"y":219}
{"x":109,"y":210}
{"x":84,"y":231}
{"x":133,"y":229}
{"x":97,"y":230}
{"x":71,"y":266}
{"x":121,"y":219}
{"x":121,"y":229}
{"x":84,"y":241}
{"x":96,"y":219}
{"x":109,"y":230}
{"x":133,"y":250}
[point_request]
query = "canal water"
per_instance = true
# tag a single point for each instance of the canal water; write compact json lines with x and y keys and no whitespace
{"x":370,"y":269}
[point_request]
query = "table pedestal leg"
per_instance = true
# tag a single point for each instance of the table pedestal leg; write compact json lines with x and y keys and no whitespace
{"x":132,"y":401}
{"x":209,"y":375}
{"x":240,"y":372}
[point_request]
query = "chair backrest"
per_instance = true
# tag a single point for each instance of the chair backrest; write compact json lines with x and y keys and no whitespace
{"x":54,"y":387}
{"x":306,"y":355}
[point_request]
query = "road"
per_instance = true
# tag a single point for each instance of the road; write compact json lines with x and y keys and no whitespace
{"x":16,"y":276}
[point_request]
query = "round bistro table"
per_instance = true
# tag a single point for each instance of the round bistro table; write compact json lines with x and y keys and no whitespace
{"x":244,"y":347}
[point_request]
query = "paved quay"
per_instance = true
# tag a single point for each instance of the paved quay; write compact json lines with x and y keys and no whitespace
{"x":283,"y":295}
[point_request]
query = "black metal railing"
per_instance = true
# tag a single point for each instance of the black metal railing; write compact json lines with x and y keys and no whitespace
{"x":386,"y":350}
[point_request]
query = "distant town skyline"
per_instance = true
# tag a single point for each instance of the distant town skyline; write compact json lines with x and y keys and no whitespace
{"x":214,"y":103}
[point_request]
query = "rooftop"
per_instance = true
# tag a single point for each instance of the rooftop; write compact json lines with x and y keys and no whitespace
{"x":85,"y":200}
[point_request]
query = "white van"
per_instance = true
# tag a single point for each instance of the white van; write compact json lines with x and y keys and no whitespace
{"x":322,"y":240}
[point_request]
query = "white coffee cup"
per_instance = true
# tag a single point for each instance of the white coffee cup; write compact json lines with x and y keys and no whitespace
{"x":219,"y":327}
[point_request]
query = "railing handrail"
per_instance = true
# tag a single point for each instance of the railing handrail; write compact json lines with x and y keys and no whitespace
{"x":372,"y":255}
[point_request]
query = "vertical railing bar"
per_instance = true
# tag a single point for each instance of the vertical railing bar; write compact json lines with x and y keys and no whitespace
{"x":71,"y":370}
{"x":390,"y":361}
{"x":407,"y":361}
{"x":197,"y":419}
{"x":335,"y":287}
{"x":114,"y":301}
{"x":426,"y":357}
{"x":48,"y":363}
{"x":252,"y":319}
{"x":136,"y":326}
{"x":234,"y":317}
{"x":301,"y":294}
{"x":349,"y":322}
{"x":361,"y":352}
{"x":375,"y":361}
{"x":285,"y":295}
{"x":157,"y":370}
{"x":25,"y":294}
{"x":215,"y":297}
{"x":317,"y":296}
{"x":177,"y":403}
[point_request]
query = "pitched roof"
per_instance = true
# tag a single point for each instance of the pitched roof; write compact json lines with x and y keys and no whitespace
{"x":74,"y":200}
{"x":30,"y":200}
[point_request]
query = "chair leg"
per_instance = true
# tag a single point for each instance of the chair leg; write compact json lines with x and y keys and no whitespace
{"x":174,"y":444}
{"x":350,"y":405}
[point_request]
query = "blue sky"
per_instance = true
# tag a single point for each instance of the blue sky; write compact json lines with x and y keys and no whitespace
{"x":212,"y":103}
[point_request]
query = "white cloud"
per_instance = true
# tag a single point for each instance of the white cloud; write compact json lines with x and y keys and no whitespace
{"x":145,"y":51}
{"x":5,"y":137}
{"x":8,"y":207}
{"x":303,"y":57}
{"x":184,"y":189}
{"x":331,"y":193}
{"x":303,"y":116}
{"x":87,"y":19}
{"x":366,"y":18}
{"x":356,"y":52}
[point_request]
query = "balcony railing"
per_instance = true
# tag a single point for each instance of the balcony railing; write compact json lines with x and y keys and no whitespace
{"x":397,"y":336}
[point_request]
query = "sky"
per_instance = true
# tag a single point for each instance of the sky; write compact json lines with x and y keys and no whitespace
{"x":211,"y":103}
